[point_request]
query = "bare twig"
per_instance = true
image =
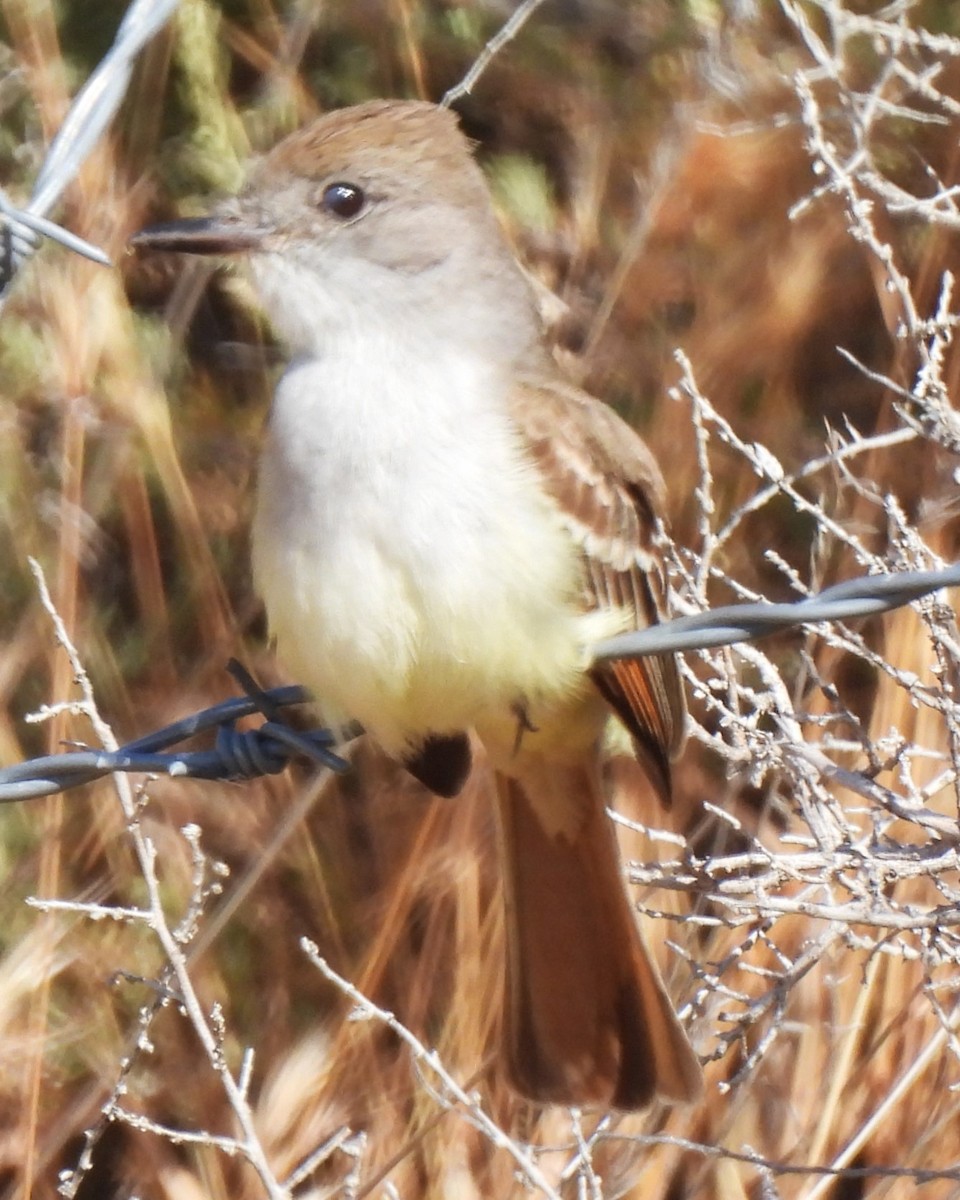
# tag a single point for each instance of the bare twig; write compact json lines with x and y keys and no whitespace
{"x":507,"y":32}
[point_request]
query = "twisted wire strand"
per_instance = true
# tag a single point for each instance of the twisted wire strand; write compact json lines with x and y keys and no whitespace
{"x":861,"y":597}
{"x":93,"y":108}
{"x":237,"y":754}
{"x":268,"y":749}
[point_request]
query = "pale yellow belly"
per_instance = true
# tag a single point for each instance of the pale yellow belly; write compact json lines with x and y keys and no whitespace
{"x":406,"y":661}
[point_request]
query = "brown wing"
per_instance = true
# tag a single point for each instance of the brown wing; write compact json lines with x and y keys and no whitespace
{"x":609,"y":491}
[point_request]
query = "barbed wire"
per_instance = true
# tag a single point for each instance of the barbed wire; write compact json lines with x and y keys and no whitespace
{"x":93,"y":108}
{"x":22,"y":229}
{"x":266,"y":750}
{"x":236,"y":754}
{"x":861,"y":597}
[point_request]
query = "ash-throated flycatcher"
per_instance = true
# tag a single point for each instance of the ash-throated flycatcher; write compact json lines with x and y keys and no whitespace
{"x":444,"y":526}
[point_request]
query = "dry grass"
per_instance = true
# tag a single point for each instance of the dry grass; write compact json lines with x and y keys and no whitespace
{"x":646,"y":159}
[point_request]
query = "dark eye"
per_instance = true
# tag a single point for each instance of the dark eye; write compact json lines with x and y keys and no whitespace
{"x":343,"y":199}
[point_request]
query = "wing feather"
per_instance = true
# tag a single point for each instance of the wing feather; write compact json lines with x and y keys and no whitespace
{"x":609,"y":494}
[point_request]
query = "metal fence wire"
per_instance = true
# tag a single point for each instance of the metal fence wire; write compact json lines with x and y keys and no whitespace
{"x":22,"y":229}
{"x":269,"y":748}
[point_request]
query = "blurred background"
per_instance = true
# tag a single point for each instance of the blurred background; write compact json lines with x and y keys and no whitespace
{"x":752,"y":184}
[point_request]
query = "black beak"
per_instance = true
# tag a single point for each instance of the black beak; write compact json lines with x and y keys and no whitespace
{"x":204,"y":235}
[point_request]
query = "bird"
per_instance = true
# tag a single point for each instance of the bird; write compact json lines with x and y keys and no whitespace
{"x":444,"y":526}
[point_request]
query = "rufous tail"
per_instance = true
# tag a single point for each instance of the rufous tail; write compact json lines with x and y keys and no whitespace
{"x":587,"y":1019}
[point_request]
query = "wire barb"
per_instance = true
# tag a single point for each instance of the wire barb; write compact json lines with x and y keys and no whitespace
{"x":21,"y":229}
{"x":237,"y":754}
{"x":248,"y":754}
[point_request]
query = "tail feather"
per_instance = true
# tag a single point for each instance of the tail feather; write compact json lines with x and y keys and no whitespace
{"x":588,"y":1020}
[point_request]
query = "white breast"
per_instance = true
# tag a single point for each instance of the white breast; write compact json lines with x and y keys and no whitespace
{"x":415,"y":576}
